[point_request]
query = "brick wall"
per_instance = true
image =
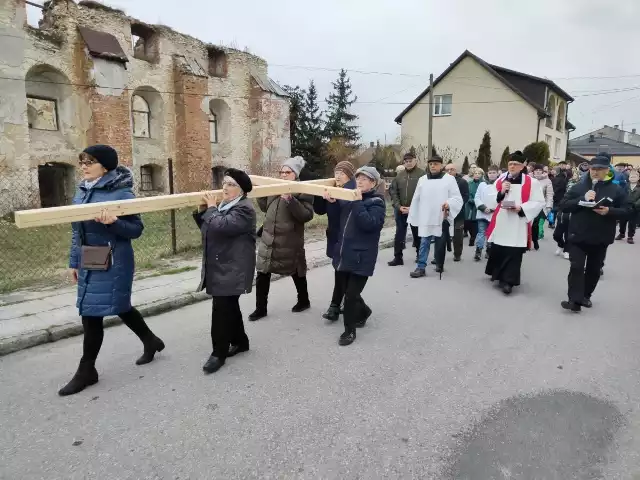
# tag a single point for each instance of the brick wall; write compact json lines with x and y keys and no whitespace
{"x":110,"y":124}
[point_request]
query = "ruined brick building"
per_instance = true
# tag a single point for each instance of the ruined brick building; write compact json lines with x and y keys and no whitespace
{"x":91,"y":74}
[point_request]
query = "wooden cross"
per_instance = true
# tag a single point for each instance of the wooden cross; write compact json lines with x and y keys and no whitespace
{"x":263,"y":187}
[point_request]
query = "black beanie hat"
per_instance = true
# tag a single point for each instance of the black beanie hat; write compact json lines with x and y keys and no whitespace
{"x":518,"y":156}
{"x":241,"y":178}
{"x":104,"y":154}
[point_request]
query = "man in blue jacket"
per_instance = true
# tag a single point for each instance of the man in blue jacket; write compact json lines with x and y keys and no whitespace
{"x":355,"y":254}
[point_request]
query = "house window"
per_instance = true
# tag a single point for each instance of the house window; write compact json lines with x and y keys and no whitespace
{"x":140,"y":113}
{"x":42,"y":113}
{"x":556,"y":149}
{"x":217,"y":63}
{"x":144,"y":42}
{"x":561,"y":114}
{"x":551,"y":110}
{"x":442,"y":104}
{"x":213,"y":127}
{"x":146,"y":178}
{"x":547,"y":140}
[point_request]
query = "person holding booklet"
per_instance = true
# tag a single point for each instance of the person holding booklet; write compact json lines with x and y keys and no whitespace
{"x":595,"y":205}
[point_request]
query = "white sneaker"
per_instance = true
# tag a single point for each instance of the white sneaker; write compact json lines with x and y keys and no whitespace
{"x":566,"y":255}
{"x":558,"y":252}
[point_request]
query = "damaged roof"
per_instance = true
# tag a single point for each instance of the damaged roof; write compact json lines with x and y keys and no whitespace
{"x":103,"y":45}
{"x":268,"y":85}
{"x":190,"y":65}
{"x":530,"y":88}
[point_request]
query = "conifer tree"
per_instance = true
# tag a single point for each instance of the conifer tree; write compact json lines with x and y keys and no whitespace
{"x":339,"y":117}
{"x":504,"y":161}
{"x":484,"y":152}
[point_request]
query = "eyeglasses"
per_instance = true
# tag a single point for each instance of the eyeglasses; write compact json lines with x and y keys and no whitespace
{"x":286,"y":172}
{"x":229,"y":184}
{"x":87,"y":162}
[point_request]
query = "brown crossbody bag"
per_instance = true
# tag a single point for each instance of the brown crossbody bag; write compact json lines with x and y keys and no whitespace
{"x":94,"y":258}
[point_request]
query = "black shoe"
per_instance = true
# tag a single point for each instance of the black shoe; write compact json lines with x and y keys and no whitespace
{"x":586,"y":303}
{"x":301,"y":306}
{"x":439,"y":269}
{"x":236,"y":349}
{"x":506,"y":288}
{"x":574,"y":307}
{"x":536,"y":246}
{"x":347,"y":338}
{"x":332,"y":314}
{"x":213,"y":365}
{"x":619,"y":237}
{"x":395,"y":262}
{"x":153,"y":345}
{"x":418,"y":272}
{"x":366,"y":315}
{"x":478,"y":256}
{"x":456,"y":259}
{"x":257,"y":315}
{"x":433,"y":262}
{"x":86,"y":376}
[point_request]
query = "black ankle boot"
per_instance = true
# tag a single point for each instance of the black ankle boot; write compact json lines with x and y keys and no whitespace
{"x":301,"y":306}
{"x":86,"y":376}
{"x":151,"y":345}
{"x":257,"y":314}
{"x":333,"y":313}
{"x":478,"y":255}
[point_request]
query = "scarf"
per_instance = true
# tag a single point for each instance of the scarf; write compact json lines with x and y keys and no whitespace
{"x":525,"y":194}
{"x":89,"y":185}
{"x":223,"y":207}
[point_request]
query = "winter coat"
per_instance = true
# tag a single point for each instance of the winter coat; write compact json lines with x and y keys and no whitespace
{"x":102,"y":293}
{"x":634,"y":198}
{"x":463,"y":186}
{"x":547,"y":192}
{"x":470,"y":207}
{"x":228,"y":249}
{"x":403,"y":186}
{"x":589,"y":227}
{"x":361,"y":222}
{"x":559,"y":184}
{"x":281,"y":246}
{"x":332,"y":210}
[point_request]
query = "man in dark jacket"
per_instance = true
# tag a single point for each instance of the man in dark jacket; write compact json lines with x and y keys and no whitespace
{"x":355,"y":255}
{"x":401,"y":191}
{"x":458,"y":223}
{"x":591,"y":229}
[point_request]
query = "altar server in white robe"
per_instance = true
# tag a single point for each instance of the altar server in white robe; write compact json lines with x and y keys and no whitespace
{"x":435,"y":204}
{"x":516,"y":199}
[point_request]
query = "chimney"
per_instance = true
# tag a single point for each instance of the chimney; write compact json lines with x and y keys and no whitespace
{"x":371,"y":144}
{"x":633,"y":130}
{"x":592,"y":138}
{"x":616,"y":126}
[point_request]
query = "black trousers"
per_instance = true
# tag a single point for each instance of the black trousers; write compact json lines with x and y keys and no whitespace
{"x":630,"y":222}
{"x":354,"y":305}
{"x":586,"y":262}
{"x":505,"y":264}
{"x":400,"y":240}
{"x":535,"y":227}
{"x":94,"y":333}
{"x":338,"y":292}
{"x":471,"y":226}
{"x":263,"y":284}
{"x":561,"y":232}
{"x":227,"y":327}
{"x":458,"y":237}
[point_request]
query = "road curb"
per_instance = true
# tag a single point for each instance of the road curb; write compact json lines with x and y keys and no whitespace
{"x":59,"y":332}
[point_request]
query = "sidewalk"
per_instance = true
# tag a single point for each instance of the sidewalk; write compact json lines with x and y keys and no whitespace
{"x":29,"y":318}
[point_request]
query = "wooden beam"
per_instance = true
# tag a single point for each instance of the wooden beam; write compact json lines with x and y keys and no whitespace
{"x":259,"y":180}
{"x":75,"y":213}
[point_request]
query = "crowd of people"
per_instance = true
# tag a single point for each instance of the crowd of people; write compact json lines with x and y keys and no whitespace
{"x":502,"y":213}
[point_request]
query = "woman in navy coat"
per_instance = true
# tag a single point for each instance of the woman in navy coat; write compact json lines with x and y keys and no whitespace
{"x":105,"y":292}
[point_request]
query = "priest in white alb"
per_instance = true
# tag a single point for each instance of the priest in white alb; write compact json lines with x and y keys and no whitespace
{"x":435,"y":204}
{"x":516,"y":199}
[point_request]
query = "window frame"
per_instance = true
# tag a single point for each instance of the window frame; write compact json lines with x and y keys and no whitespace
{"x":55,"y":112}
{"x":438,"y":101}
{"x":133,"y":116}
{"x":213,"y":118}
{"x":556,"y":147}
{"x":146,"y":173}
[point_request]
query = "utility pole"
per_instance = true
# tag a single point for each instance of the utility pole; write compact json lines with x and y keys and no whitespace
{"x":430,"y":141}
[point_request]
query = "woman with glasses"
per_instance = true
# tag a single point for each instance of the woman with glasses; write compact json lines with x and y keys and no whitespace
{"x":228,"y":263}
{"x":102,"y":263}
{"x":281,"y":246}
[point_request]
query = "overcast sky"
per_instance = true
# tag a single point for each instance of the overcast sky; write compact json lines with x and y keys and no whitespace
{"x":558,"y":39}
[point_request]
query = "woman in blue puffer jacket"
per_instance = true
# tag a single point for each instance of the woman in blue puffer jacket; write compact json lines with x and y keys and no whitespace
{"x":105,"y":292}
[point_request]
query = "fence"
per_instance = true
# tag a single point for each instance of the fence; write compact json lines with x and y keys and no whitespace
{"x":37,"y":256}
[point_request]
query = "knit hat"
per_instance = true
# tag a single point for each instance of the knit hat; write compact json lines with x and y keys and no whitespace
{"x":370,"y":172}
{"x":600,"y":161}
{"x":296,"y":164}
{"x":518,"y":156}
{"x":104,"y":154}
{"x":346,"y":167}
{"x":241,"y":178}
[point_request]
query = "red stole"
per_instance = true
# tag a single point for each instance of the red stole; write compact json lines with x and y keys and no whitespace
{"x":525,"y":193}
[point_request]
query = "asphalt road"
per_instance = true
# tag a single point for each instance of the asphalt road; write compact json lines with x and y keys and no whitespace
{"x":449,"y":379}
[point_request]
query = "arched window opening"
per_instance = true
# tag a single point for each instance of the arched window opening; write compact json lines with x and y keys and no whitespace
{"x":141,"y":117}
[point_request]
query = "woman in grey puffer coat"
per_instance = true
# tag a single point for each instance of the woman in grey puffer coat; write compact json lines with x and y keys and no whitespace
{"x":228,"y":263}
